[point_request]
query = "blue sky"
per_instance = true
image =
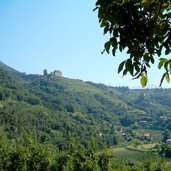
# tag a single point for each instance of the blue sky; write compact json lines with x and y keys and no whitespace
{"x":63,"y":35}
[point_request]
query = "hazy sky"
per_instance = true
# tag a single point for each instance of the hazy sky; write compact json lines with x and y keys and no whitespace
{"x":63,"y":35}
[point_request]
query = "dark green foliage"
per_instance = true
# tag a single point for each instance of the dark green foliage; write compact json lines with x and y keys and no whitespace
{"x":37,"y":157}
{"x":165,"y":150}
{"x":34,"y":157}
{"x":166,"y":135}
{"x":142,"y":28}
{"x":126,"y":121}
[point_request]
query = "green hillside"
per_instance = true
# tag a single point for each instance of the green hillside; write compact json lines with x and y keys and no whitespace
{"x":50,"y":110}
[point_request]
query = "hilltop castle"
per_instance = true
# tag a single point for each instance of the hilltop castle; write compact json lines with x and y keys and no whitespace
{"x":55,"y":73}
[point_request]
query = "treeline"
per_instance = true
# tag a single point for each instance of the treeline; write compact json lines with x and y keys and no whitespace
{"x":37,"y":157}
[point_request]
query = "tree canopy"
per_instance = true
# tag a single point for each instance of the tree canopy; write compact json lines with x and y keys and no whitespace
{"x":143,"y":29}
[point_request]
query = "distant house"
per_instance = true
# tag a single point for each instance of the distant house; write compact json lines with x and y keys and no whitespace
{"x":126,"y":135}
{"x":163,"y":117}
{"x":146,"y":136}
{"x":121,"y":130}
{"x":143,"y":121}
{"x":100,"y":134}
{"x":168,"y":141}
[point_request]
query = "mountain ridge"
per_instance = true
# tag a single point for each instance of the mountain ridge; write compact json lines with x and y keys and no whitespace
{"x":9,"y":69}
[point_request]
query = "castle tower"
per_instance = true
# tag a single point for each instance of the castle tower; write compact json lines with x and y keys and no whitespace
{"x":45,"y":73}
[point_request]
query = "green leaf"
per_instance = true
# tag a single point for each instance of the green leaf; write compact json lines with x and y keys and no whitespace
{"x":114,"y":44}
{"x":120,"y":47}
{"x":167,"y":77}
{"x":131,"y":70}
{"x":113,"y":51}
{"x":115,"y":32}
{"x":160,"y":65}
{"x":106,"y":29}
{"x":166,"y":65}
{"x":146,"y":57}
{"x":137,"y":68}
{"x":121,"y":66}
{"x":107,"y":46}
{"x":125,"y":72}
{"x":104,"y":23}
{"x":129,"y":66}
{"x":167,"y":51}
{"x":128,"y":63}
{"x":162,"y":60}
{"x":158,"y":52}
{"x":152,"y":59}
{"x":143,"y":81}
{"x":113,"y":41}
{"x":147,"y":64}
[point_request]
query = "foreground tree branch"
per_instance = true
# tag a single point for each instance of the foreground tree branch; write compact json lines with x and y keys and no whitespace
{"x":143,"y":29}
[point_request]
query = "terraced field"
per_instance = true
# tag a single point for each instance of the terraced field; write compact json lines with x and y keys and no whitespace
{"x":139,"y":154}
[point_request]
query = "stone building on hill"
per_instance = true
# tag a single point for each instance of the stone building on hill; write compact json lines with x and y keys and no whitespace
{"x":54,"y":74}
{"x":57,"y":73}
{"x":168,"y":141}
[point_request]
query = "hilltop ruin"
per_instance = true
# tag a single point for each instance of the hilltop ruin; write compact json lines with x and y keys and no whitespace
{"x":55,"y":73}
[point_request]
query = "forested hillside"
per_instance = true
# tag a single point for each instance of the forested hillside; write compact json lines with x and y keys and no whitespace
{"x":53,"y":107}
{"x":49,"y":110}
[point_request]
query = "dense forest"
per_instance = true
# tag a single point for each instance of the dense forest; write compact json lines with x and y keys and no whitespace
{"x":57,"y":123}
